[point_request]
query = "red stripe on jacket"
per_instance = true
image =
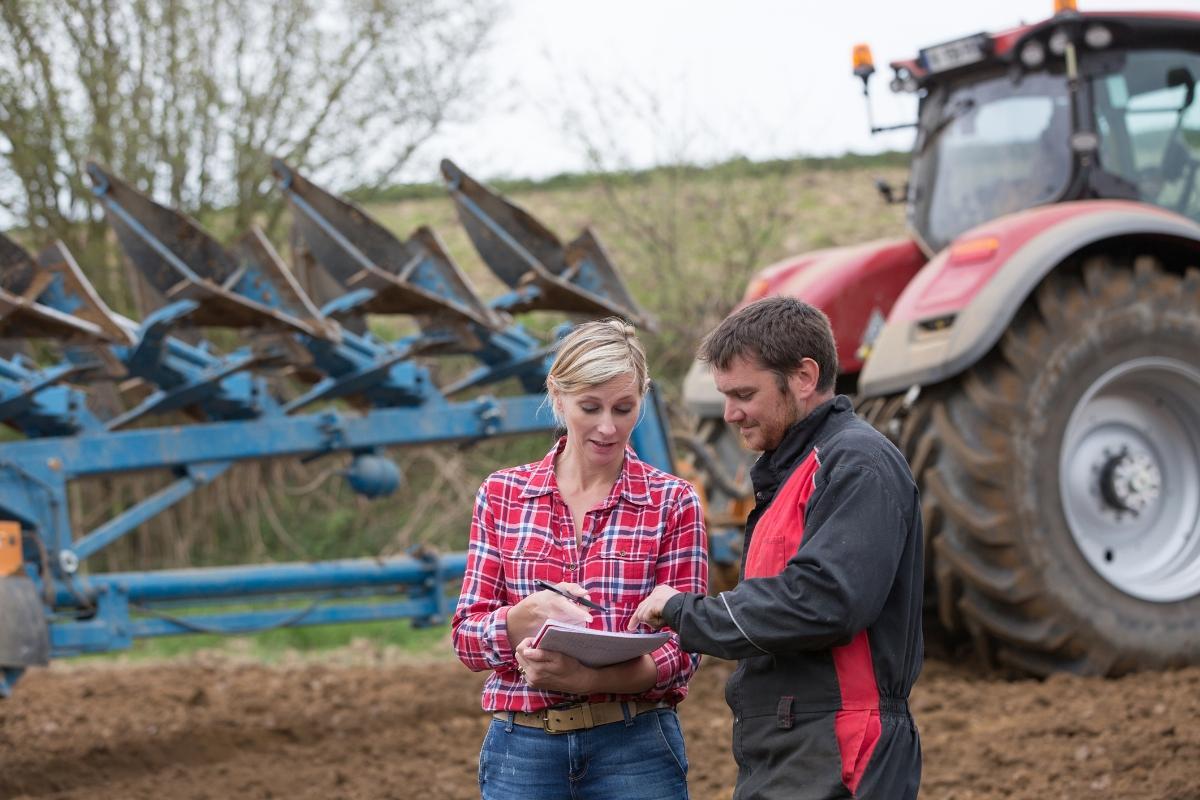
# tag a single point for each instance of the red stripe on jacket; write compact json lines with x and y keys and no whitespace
{"x":777,"y":537}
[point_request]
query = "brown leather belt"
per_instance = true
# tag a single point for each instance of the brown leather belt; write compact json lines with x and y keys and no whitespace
{"x":579,"y":716}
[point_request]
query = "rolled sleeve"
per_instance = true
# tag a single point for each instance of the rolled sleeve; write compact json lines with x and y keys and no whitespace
{"x":675,"y":668}
{"x":496,"y":643}
{"x":480,"y":624}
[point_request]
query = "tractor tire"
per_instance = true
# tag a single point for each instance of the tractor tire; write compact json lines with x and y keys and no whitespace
{"x":1060,"y":476}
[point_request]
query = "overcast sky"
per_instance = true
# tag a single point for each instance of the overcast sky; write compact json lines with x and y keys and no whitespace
{"x":761,"y":78}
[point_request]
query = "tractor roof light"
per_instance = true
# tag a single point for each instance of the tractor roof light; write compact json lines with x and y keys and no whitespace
{"x":864,"y":64}
{"x":1064,"y":6}
{"x":1059,"y":41}
{"x":1097,"y":37}
{"x":1033,"y":54}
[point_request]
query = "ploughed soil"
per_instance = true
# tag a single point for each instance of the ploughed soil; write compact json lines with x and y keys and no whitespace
{"x":369,"y":724}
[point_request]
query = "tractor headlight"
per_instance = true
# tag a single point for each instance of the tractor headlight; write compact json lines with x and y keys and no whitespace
{"x":1059,"y":41}
{"x":1097,"y":37}
{"x":904,"y":81}
{"x":1033,"y":54}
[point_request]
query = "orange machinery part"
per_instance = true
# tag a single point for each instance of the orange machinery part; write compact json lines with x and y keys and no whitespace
{"x":10,"y":548}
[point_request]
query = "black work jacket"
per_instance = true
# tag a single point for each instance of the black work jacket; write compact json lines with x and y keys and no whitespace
{"x":826,"y":622}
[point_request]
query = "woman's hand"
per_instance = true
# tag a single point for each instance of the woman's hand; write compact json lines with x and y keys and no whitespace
{"x":558,"y":672}
{"x":527,"y":616}
{"x":551,"y":671}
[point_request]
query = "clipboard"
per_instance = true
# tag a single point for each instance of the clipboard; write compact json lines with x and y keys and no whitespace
{"x":595,"y":648}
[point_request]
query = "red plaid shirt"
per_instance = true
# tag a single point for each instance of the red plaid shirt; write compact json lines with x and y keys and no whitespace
{"x":649,"y":530}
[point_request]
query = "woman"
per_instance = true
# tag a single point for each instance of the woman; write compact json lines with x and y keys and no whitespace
{"x":596,"y":522}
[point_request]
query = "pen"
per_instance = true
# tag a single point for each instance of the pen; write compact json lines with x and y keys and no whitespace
{"x":581,"y":600}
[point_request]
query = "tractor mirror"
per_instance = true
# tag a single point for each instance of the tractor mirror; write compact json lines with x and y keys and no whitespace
{"x":1182,"y":76}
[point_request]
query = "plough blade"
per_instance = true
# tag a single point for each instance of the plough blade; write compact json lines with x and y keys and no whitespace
{"x":17,"y":269}
{"x":256,"y":249}
{"x":529,"y":258}
{"x":70,"y":290}
{"x":182,"y":262}
{"x":318,"y":283}
{"x":357,"y":253}
{"x":21,"y":316}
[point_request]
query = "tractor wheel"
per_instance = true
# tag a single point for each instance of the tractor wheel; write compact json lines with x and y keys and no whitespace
{"x":1065,"y":476}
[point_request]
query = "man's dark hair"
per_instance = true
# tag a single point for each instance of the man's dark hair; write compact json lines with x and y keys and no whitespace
{"x":778,"y":332}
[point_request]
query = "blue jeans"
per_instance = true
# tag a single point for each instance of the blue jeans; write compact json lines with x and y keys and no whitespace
{"x":640,"y":759}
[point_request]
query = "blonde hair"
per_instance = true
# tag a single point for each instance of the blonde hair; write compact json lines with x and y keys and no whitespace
{"x":594,"y":353}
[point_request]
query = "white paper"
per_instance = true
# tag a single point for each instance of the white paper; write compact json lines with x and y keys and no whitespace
{"x":596,"y":648}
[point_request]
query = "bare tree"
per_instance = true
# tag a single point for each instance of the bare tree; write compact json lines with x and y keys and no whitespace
{"x":189,"y":99}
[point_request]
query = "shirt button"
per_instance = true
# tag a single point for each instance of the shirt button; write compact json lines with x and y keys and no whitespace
{"x":760,"y":495}
{"x":572,"y":566}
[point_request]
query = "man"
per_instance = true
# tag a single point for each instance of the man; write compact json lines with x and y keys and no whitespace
{"x":826,"y":622}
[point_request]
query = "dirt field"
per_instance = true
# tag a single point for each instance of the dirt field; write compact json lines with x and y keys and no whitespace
{"x":367,"y":725}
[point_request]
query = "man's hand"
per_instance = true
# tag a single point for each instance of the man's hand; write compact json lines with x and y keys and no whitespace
{"x":649,"y":611}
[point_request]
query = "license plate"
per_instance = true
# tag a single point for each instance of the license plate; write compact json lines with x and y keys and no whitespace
{"x":959,"y":53}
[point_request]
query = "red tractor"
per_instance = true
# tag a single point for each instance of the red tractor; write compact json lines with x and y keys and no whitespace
{"x":1033,"y":347}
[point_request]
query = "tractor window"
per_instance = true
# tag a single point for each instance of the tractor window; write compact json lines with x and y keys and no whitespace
{"x":989,"y":148}
{"x":1148,"y":119}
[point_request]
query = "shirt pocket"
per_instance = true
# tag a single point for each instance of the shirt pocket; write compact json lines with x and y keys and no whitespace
{"x":622,"y":568}
{"x":529,"y":557}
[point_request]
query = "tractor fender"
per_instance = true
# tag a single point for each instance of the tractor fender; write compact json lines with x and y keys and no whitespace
{"x":850,"y":284}
{"x":958,"y":306}
{"x":855,"y":286}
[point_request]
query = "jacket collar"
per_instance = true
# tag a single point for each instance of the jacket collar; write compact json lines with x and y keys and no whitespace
{"x":632,"y":483}
{"x":774,"y":465}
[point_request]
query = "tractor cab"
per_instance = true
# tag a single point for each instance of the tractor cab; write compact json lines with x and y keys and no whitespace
{"x":1079,"y":106}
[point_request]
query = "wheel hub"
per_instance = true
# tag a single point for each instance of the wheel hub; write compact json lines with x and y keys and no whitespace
{"x":1129,"y":482}
{"x":1129,"y":477}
